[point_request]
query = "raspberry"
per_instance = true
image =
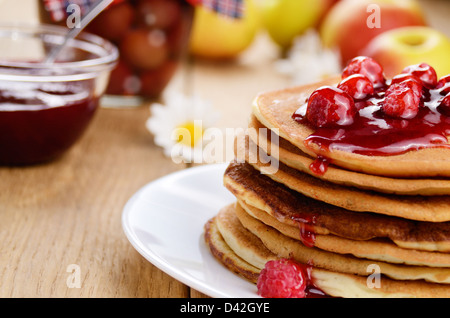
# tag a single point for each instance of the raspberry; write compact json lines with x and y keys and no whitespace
{"x":444,"y":106}
{"x":366,"y":66}
{"x":357,"y":86}
{"x":330,"y":107}
{"x":413,"y":82}
{"x":282,"y":278}
{"x":402,"y":100}
{"x":444,"y":85}
{"x":423,"y":72}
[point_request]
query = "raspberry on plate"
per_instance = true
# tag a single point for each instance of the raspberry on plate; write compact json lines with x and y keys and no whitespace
{"x":423,"y":72}
{"x":366,"y":66}
{"x":330,"y":107}
{"x":282,"y":278}
{"x":402,"y":99}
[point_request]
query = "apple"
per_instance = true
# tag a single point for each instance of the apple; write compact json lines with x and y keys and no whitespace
{"x":351,"y":24}
{"x":217,"y":36}
{"x":399,"y":48}
{"x":286,"y":19}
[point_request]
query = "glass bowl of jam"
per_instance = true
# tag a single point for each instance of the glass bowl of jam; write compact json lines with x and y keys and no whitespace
{"x":46,"y":107}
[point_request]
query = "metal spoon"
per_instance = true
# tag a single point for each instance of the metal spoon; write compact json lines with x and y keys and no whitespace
{"x":98,"y":7}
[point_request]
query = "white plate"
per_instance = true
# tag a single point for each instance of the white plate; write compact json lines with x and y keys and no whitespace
{"x":164,"y":222}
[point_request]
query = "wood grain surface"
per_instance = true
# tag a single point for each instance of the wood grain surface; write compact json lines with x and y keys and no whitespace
{"x":66,"y":215}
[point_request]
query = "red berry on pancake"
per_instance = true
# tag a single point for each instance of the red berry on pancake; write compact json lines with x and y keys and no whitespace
{"x":357,"y":86}
{"x":282,"y":279}
{"x":330,"y":107}
{"x":402,"y":99}
{"x":444,"y":84}
{"x":423,"y":72}
{"x":365,"y":66}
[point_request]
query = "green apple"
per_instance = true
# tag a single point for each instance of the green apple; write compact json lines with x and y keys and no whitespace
{"x":351,"y":24}
{"x":286,"y":19}
{"x":398,"y":48}
{"x":217,"y":36}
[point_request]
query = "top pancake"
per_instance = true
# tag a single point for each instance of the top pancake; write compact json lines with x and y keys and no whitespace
{"x":293,"y":157}
{"x":274,"y":110}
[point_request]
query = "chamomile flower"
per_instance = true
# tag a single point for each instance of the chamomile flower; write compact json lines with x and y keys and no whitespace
{"x":178,"y":125}
{"x":308,"y":61}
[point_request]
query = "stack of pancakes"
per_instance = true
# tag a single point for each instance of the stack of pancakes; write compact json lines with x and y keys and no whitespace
{"x":370,"y":226}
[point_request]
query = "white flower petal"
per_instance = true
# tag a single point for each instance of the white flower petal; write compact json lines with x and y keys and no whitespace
{"x":308,"y":61}
{"x":177,"y":110}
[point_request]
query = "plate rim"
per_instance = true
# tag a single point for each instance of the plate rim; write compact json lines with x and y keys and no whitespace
{"x":153,"y":257}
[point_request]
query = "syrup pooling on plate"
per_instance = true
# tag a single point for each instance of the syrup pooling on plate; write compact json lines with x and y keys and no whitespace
{"x":377,"y":129}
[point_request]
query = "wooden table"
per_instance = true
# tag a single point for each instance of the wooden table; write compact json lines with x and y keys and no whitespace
{"x":68,"y":212}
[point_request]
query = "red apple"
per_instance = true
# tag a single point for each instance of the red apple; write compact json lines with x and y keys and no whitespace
{"x":114,"y":22}
{"x":145,"y":49}
{"x":399,"y":48}
{"x":351,"y":24}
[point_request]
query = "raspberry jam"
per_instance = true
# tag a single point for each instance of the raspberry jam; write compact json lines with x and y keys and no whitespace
{"x":305,"y":225}
{"x":39,"y":121}
{"x":311,"y":290}
{"x":404,"y":114}
{"x":320,"y":165}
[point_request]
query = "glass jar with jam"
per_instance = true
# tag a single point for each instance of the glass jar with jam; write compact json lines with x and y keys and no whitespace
{"x":152,"y":37}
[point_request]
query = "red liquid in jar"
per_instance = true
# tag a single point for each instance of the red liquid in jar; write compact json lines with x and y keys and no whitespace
{"x":39,"y":121}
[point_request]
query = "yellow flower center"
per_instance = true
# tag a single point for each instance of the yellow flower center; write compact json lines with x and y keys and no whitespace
{"x":189,"y":133}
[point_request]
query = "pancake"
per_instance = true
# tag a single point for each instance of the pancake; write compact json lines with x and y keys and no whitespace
{"x":222,"y":252}
{"x":233,"y":236}
{"x":420,"y":208}
{"x":380,"y":250}
{"x":293,"y":157}
{"x":274,"y":110}
{"x":286,"y":247}
{"x":290,"y":207}
{"x":333,"y":283}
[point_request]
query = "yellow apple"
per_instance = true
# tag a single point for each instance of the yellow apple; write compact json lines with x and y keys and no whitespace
{"x":398,"y":48}
{"x":217,"y":36}
{"x":286,"y":19}
{"x":351,"y":24}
